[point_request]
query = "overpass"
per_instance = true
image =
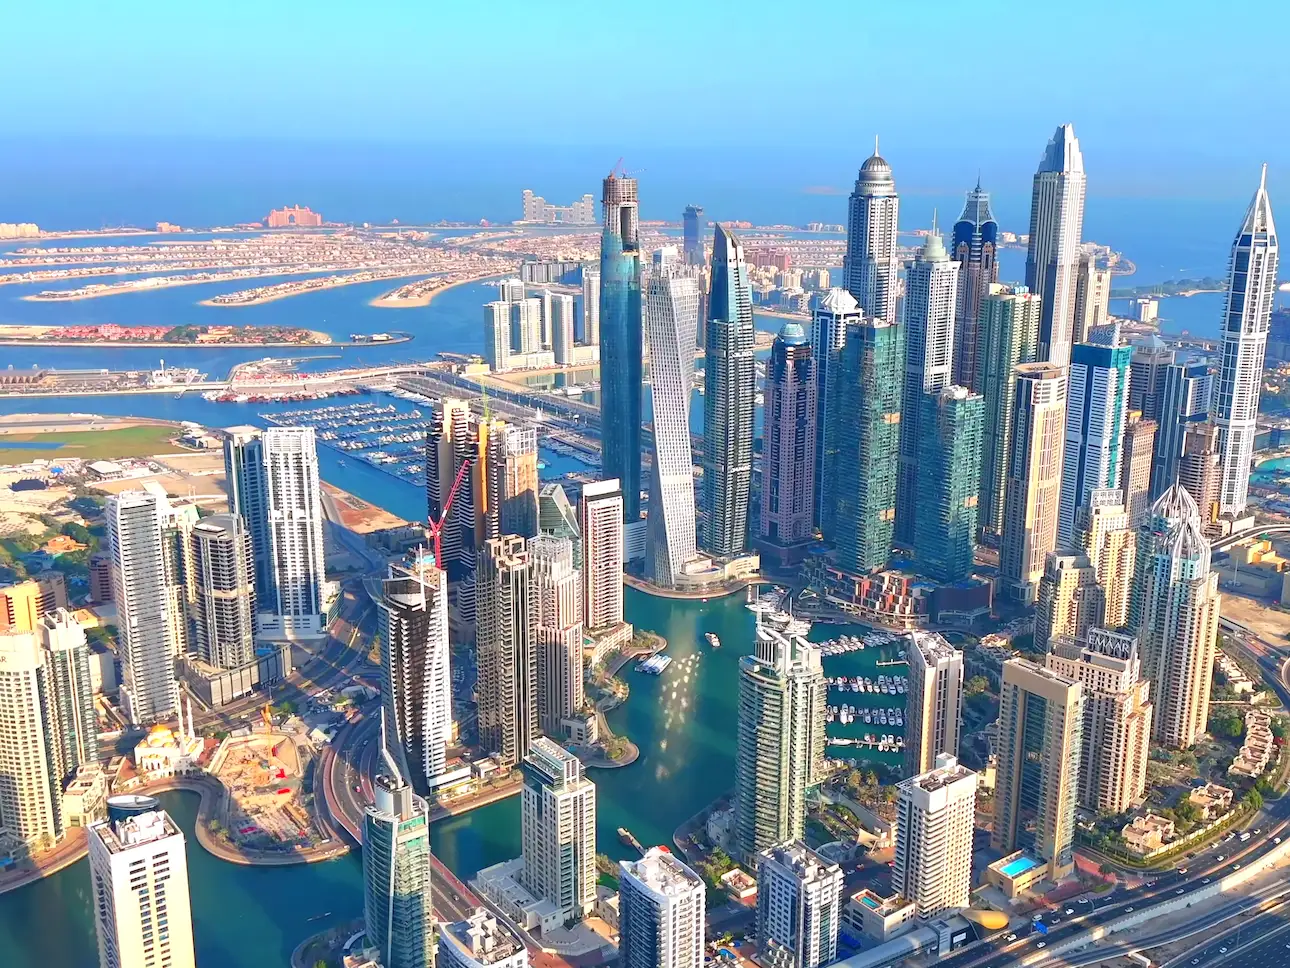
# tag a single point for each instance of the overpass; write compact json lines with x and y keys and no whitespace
{"x":1222,"y":544}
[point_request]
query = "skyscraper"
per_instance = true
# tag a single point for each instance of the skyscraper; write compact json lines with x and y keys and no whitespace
{"x":692,"y":235}
{"x":293,"y":506}
{"x":1056,"y":223}
{"x":1252,"y":284}
{"x":139,"y":875}
{"x":1174,"y":613}
{"x":661,"y":912}
{"x":1147,"y":368}
{"x":1041,"y":723}
{"x":780,"y":743}
{"x":557,"y":597}
{"x":862,"y":449}
{"x":947,"y":483}
{"x":67,"y":661}
{"x":1200,"y":470}
{"x":505,"y":626}
{"x":788,"y":444}
{"x":223,"y":591}
{"x":558,"y":517}
{"x":935,"y":706}
{"x":1069,"y":601}
{"x":837,"y":309}
{"x":1136,"y":459}
{"x":935,"y":820}
{"x":247,"y":494}
{"x":416,"y":680}
{"x":730,"y":384}
{"x":1117,"y":717}
{"x":799,"y":896}
{"x":600,"y":517}
{"x":671,"y":321}
{"x":1008,"y":335}
{"x":451,"y":442}
{"x":504,"y":481}
{"x":1032,"y":488}
{"x":397,"y":912}
{"x":1184,"y":402}
{"x":31,"y":754}
{"x":931,"y":289}
{"x":620,"y":340}
{"x":23,"y":605}
{"x":1096,"y":404}
{"x":871,"y":268}
{"x":526,"y":325}
{"x":975,"y":242}
{"x":562,"y":329}
{"x":497,"y":335}
{"x":591,"y":305}
{"x":151,"y":633}
{"x":1105,"y":534}
{"x":558,"y":829}
{"x":1092,"y":297}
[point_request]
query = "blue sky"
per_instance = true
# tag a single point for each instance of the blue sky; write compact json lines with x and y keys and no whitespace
{"x":1166,"y":97}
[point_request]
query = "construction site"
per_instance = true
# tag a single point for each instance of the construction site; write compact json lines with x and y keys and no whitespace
{"x":267,"y":807}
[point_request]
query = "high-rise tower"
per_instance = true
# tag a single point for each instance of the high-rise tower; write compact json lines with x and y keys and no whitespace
{"x":1032,"y":489}
{"x":620,"y":339}
{"x":1008,"y":334}
{"x":1104,"y":532}
{"x":935,"y":820}
{"x":935,"y":700}
{"x":244,"y":479}
{"x":1069,"y":601}
{"x":31,"y":754}
{"x":948,"y":485}
{"x":1097,"y":397}
{"x":1056,"y":222}
{"x":661,"y":912}
{"x":862,"y":446}
{"x":1092,"y":297}
{"x":974,"y":247}
{"x":224,"y":591}
{"x":1136,"y":456}
{"x":293,"y":507}
{"x":780,"y":743}
{"x":505,"y":627}
{"x":557,"y":596}
{"x":67,"y":659}
{"x":416,"y":680}
{"x":871,"y":268}
{"x":558,"y":829}
{"x":931,"y":287}
{"x":1251,"y":289}
{"x":728,"y":402}
{"x":671,"y":321}
{"x":692,"y":235}
{"x":1183,"y":402}
{"x":1174,"y":613}
{"x":788,"y":445}
{"x":836,"y":310}
{"x":799,"y":896}
{"x":600,"y":517}
{"x":139,"y":875}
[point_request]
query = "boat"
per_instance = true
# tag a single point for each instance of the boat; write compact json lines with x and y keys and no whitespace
{"x":626,"y":837}
{"x":713,"y":640}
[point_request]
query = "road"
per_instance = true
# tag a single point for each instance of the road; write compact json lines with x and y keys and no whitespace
{"x":1262,"y":943}
{"x":1073,"y":918}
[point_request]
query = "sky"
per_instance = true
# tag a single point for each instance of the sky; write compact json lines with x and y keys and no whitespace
{"x":1169,"y":99}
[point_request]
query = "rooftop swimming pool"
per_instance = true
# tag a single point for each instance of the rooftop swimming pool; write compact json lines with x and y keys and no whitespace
{"x":1019,"y":865}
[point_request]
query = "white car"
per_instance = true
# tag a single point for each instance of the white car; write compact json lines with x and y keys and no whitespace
{"x":1070,"y":911}
{"x":1043,"y":944}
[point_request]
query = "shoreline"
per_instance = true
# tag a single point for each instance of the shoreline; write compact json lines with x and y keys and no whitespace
{"x":384,"y":301}
{"x":274,"y":297}
{"x":720,"y":591}
{"x":172,"y":282}
{"x":239,"y":345}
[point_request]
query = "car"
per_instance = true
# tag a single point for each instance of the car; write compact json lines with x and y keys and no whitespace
{"x":1044,"y":944}
{"x":1277,"y":840}
{"x":1070,"y":910}
{"x":1236,"y":867}
{"x":1038,"y":917}
{"x":1195,"y":961}
{"x":1219,"y":857}
{"x":1204,"y":880}
{"x":1129,"y":909}
{"x":1055,"y":921}
{"x":1222,"y":951}
{"x":1182,"y":870}
{"x":1181,"y":890}
{"x":1288,"y":946}
{"x":1011,"y":937}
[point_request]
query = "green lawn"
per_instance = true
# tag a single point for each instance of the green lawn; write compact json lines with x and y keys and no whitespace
{"x":89,"y":444}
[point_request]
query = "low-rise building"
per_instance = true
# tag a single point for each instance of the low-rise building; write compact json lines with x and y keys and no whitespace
{"x":1256,"y":751}
{"x":85,"y":799}
{"x":1212,"y":799}
{"x":480,"y":940}
{"x":1146,"y":833}
{"x":879,"y":918}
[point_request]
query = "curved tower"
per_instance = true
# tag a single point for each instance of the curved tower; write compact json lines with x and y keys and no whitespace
{"x":1056,"y":222}
{"x":1252,"y":284}
{"x":870,"y":267}
{"x":975,"y":240}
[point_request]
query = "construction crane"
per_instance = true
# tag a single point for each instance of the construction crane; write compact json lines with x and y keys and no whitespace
{"x":435,"y":527}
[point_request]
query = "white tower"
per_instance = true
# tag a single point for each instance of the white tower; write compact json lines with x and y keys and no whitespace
{"x":1052,"y":258}
{"x":295,"y":523}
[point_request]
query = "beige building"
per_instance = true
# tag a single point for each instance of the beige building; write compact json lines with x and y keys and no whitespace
{"x":30,"y":753}
{"x":935,"y":700}
{"x":1104,"y":532}
{"x":1199,"y":471}
{"x":1092,"y":297}
{"x":22,"y":605}
{"x":1135,"y":465}
{"x":1070,"y":601}
{"x":1117,"y":717}
{"x":1032,"y":492}
{"x":600,"y":518}
{"x":935,"y":818}
{"x":1041,"y":720}
{"x":1174,"y":613}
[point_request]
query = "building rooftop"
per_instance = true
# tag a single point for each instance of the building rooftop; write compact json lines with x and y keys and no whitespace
{"x":932,"y":646}
{"x":481,"y":938}
{"x":144,"y":828}
{"x":941,"y":776}
{"x":801,"y":859}
{"x":660,"y":871}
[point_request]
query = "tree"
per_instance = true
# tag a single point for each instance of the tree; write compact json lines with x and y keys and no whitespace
{"x":977,"y":685}
{"x":1255,"y":799}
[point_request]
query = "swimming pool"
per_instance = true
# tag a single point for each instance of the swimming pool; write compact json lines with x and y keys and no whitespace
{"x":869,"y":902}
{"x":1019,"y":866}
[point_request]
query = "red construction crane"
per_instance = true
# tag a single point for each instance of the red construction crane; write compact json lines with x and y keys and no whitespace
{"x":436,"y":527}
